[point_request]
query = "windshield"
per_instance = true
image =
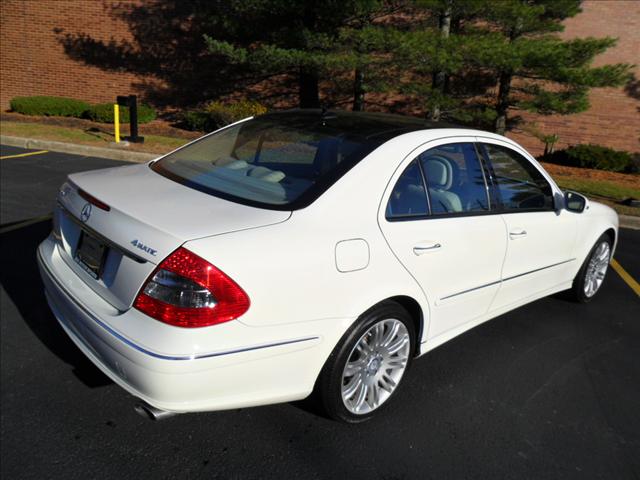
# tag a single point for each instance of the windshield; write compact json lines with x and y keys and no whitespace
{"x":281,"y":161}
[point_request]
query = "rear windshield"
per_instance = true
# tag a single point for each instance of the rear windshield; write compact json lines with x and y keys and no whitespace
{"x":281,"y":162}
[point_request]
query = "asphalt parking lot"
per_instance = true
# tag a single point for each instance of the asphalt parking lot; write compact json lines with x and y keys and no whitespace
{"x":551,"y":390}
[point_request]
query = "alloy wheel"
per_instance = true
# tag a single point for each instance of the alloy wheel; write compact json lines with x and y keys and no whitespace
{"x":596,"y":269}
{"x":375,"y":366}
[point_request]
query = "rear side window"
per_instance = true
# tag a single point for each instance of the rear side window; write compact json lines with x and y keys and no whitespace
{"x":520,"y":186}
{"x":455,"y":179}
{"x":409,"y":198}
{"x":455,"y":184}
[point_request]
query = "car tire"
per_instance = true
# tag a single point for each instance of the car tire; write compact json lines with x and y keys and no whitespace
{"x":366,"y":367}
{"x":591,"y":275}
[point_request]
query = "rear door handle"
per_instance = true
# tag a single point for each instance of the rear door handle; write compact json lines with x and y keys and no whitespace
{"x":517,"y":233}
{"x":423,"y":248}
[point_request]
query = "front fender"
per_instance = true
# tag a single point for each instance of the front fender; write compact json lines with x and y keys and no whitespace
{"x":595,"y":220}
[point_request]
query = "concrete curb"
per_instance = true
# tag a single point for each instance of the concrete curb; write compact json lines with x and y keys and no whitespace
{"x":72,"y":148}
{"x":627,"y":221}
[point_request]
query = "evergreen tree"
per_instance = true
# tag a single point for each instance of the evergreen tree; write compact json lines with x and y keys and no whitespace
{"x":310,"y":39}
{"x":534,"y":69}
{"x":473,"y":60}
{"x":467,"y":60}
{"x":432,"y":57}
{"x":447,"y":17}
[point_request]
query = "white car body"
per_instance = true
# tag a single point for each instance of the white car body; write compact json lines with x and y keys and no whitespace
{"x":309,"y":274}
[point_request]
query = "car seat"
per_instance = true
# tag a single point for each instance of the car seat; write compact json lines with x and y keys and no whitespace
{"x":439,"y":172}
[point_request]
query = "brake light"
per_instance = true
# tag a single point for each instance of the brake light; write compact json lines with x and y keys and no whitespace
{"x":93,"y":200}
{"x":187,"y":291}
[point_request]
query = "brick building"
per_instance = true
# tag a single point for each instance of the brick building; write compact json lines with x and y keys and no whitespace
{"x":34,"y":61}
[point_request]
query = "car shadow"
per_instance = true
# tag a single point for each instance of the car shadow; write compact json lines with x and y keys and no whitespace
{"x":20,"y":278}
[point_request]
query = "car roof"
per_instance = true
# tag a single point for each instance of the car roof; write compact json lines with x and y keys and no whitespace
{"x":371,"y":125}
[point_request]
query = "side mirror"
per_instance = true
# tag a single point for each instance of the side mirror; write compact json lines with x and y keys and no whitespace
{"x":558,"y":201}
{"x":574,"y":202}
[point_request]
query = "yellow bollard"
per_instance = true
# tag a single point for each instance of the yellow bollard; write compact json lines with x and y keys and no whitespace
{"x":116,"y":121}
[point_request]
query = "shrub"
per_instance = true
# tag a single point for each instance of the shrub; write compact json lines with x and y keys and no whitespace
{"x":50,"y":106}
{"x":196,"y":120}
{"x":594,"y":156}
{"x":103,"y":112}
{"x":216,"y":115}
{"x":635,"y":158}
{"x":225,"y":114}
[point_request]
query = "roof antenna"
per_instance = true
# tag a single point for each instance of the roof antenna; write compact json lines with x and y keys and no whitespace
{"x":326,"y":115}
{"x":323,"y":115}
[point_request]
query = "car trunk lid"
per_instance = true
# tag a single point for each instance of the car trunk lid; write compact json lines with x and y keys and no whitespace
{"x":135,"y":218}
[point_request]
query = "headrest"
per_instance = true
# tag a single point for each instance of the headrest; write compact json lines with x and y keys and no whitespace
{"x":439,"y":172}
{"x":231,"y":163}
{"x":266,"y":174}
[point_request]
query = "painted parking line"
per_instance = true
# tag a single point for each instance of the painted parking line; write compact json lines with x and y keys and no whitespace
{"x":629,"y":280}
{"x":28,"y":154}
{"x":26,"y":223}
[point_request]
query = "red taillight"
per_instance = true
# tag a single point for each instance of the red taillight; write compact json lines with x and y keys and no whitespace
{"x":93,"y":200}
{"x":187,"y":291}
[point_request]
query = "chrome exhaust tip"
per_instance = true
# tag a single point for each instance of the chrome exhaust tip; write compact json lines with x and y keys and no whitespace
{"x":150,"y":412}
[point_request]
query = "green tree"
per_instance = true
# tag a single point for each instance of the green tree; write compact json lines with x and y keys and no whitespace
{"x":447,"y":18}
{"x":311,"y":40}
{"x":432,"y":57}
{"x":474,"y":60}
{"x":534,"y":69}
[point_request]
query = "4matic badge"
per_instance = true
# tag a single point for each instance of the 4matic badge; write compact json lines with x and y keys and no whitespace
{"x":144,"y":247}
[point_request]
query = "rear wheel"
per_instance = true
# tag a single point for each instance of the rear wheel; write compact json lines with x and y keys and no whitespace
{"x":366,"y":367}
{"x":591,"y":275}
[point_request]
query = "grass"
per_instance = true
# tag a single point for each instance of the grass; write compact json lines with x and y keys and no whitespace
{"x":601,"y":188}
{"x":604,"y":191}
{"x":94,"y":136}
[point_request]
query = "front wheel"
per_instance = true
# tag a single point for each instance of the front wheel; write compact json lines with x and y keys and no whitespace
{"x":591,"y":275}
{"x":366,"y":367}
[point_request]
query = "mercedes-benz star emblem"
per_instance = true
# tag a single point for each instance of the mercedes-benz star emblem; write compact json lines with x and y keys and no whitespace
{"x":85,"y":213}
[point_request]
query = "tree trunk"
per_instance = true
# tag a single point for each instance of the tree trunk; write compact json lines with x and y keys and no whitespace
{"x":504,"y":88}
{"x":502,"y":106}
{"x":358,"y":91}
{"x":439,"y":79}
{"x":308,"y":89}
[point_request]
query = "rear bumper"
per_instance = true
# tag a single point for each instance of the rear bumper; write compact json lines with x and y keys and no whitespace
{"x":275,"y":366}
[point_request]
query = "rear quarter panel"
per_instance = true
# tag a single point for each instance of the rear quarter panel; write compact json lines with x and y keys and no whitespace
{"x":289,"y":270}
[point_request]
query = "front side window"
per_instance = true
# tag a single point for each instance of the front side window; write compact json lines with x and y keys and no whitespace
{"x":455,"y":179}
{"x":282,"y":162}
{"x":520,"y":186}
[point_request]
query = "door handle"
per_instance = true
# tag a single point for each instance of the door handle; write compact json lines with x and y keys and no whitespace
{"x":423,"y":248}
{"x":518,"y":233}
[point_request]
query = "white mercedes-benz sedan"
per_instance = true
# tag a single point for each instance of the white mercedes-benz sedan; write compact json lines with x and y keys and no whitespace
{"x":309,"y":251}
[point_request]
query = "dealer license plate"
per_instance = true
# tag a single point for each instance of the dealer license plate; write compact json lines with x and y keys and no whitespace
{"x":90,"y":254}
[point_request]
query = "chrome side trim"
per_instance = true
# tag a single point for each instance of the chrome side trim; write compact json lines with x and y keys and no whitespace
{"x":506,"y":279}
{"x":470,"y":290}
{"x":538,"y":270}
{"x":146,"y":351}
